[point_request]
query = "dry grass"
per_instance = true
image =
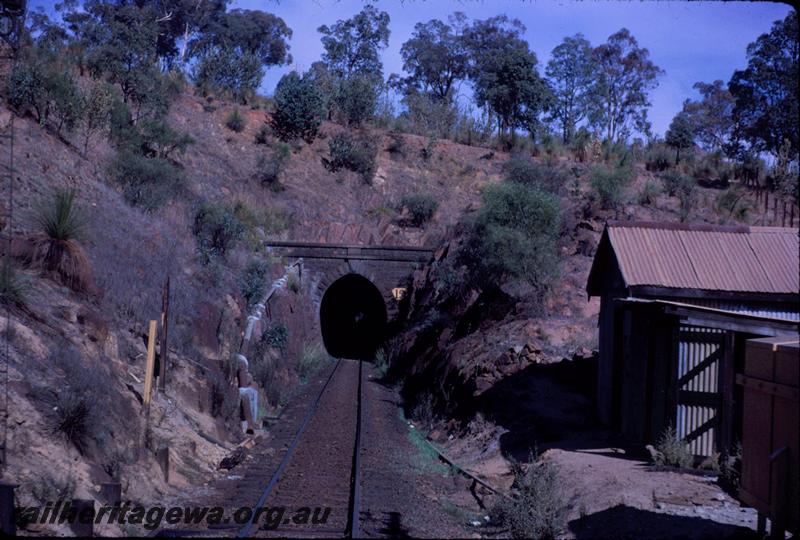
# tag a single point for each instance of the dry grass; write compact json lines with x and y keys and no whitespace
{"x":381,"y":362}
{"x":387,"y":356}
{"x":423,"y":411}
{"x":131,"y":268}
{"x":539,"y":510}
{"x":77,"y":409}
{"x":311,"y":361}
{"x":46,"y":487}
{"x":293,"y":282}
{"x":66,"y":260}
{"x":672,"y":450}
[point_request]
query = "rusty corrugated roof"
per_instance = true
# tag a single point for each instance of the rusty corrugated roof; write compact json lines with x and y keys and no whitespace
{"x":737,"y":259}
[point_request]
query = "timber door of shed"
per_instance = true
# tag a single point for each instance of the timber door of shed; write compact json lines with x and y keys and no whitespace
{"x":700,"y":357}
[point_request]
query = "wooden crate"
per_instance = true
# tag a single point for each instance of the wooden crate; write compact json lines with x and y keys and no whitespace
{"x":771,"y":430}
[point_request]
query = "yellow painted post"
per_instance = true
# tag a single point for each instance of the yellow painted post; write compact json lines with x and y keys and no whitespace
{"x":151,"y":362}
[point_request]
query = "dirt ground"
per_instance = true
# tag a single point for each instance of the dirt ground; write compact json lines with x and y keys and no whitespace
{"x":613,"y":495}
{"x":407,"y":491}
{"x":609,"y":491}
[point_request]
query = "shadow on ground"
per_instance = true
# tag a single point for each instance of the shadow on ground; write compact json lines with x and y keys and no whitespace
{"x":545,"y":406}
{"x":625,"y":522}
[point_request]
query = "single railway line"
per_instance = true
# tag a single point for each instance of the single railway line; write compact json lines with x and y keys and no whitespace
{"x":314,"y":462}
{"x":321,"y":466}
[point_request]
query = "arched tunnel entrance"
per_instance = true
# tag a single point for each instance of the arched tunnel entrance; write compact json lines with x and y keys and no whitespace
{"x":353,"y":318}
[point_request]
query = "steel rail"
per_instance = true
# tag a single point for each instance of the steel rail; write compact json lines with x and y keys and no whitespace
{"x":245,"y":530}
{"x":354,"y":529}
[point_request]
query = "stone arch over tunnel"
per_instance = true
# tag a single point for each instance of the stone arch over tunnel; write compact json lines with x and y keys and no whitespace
{"x":353,"y":317}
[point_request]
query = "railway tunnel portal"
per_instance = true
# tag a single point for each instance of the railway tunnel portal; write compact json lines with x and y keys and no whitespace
{"x":352,"y":318}
{"x":357,"y":290}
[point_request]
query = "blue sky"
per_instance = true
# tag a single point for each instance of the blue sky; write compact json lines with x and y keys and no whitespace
{"x":697,"y":41}
{"x":691,"y":41}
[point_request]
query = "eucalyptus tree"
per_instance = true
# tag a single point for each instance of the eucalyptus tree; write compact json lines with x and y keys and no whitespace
{"x":235,"y":48}
{"x":504,"y":75}
{"x":435,"y":57}
{"x":711,"y":117}
{"x":570,"y":73}
{"x":352,"y":46}
{"x":625,"y":75}
{"x":766,"y":110}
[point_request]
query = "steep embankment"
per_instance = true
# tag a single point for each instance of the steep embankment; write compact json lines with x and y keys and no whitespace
{"x":322,"y":206}
{"x":78,"y":358}
{"x":481,"y":350}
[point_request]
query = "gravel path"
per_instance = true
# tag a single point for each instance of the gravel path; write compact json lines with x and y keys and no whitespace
{"x":405,"y":490}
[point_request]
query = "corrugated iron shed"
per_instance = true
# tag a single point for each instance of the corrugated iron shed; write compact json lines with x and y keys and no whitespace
{"x":733,"y":259}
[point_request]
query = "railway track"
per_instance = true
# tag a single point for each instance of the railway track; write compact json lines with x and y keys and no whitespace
{"x":321,"y":467}
{"x":314,"y":461}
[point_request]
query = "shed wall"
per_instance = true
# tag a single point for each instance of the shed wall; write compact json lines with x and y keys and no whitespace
{"x":659,"y":372}
{"x":770,"y":454}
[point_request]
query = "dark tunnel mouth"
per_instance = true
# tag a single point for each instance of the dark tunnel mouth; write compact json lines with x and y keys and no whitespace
{"x":353,"y":318}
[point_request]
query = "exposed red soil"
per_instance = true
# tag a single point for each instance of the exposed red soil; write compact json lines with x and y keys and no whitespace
{"x":609,"y":491}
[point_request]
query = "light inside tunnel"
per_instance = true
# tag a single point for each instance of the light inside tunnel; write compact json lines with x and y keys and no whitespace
{"x":353,"y":318}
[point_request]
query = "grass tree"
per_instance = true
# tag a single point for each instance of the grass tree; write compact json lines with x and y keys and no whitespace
{"x":235,"y":121}
{"x":55,"y":247}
